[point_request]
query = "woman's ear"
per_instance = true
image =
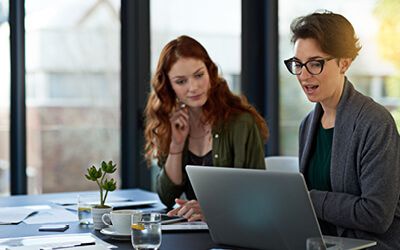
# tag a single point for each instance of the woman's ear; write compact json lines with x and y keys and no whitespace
{"x":344,"y":64}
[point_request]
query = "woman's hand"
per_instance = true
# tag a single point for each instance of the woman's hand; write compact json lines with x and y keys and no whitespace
{"x":179,"y":126}
{"x":188,"y":209}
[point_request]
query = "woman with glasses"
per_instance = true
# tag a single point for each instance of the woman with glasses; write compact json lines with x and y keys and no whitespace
{"x":192,"y":118}
{"x":349,"y":146}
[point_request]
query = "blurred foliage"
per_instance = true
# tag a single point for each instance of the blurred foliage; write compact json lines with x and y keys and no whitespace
{"x":396,"y":116}
{"x":388,"y":36}
{"x":393,"y":90}
{"x":392,"y":85}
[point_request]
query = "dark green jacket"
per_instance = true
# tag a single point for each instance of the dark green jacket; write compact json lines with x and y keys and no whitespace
{"x":237,"y":143}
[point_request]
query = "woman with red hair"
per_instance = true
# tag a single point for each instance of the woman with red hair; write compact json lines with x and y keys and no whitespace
{"x":192,"y":118}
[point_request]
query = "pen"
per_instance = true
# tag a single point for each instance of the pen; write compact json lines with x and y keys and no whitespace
{"x":173,"y":220}
{"x":69,"y":245}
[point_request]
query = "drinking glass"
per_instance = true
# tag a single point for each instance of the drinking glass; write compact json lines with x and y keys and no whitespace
{"x":146,"y":231}
{"x":84,"y":207}
{"x":316,"y":243}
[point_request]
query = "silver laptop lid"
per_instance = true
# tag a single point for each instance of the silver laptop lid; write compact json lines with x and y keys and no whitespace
{"x":255,"y":208}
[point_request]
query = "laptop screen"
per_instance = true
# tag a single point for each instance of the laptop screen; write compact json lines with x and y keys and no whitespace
{"x":256,"y":208}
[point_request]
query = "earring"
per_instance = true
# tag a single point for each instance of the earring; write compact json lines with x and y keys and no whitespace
{"x":181,"y":104}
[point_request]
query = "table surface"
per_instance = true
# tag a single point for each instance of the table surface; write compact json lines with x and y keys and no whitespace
{"x":170,"y":240}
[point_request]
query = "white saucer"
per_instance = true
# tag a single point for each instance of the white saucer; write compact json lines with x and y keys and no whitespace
{"x":110,"y":232}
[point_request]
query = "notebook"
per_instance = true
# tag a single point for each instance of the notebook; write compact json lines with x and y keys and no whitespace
{"x":260,"y":209}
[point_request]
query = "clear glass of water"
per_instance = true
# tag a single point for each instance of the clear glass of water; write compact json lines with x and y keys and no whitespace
{"x":146,"y":231}
{"x":84,"y":207}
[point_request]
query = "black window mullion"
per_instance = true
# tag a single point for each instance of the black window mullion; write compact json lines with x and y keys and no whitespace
{"x":135,"y":78}
{"x":259,"y":75}
{"x":18,"y":178}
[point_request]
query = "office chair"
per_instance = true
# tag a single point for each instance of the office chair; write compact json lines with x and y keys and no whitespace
{"x":282,"y":163}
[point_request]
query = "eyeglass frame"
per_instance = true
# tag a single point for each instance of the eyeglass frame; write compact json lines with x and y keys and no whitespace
{"x":322,"y":61}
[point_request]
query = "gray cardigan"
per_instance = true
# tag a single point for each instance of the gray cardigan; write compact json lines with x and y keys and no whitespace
{"x":365,"y":170}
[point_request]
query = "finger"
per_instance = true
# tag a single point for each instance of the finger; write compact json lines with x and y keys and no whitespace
{"x":180,"y":202}
{"x":185,"y":116}
{"x":193,"y":203}
{"x":179,"y":114}
{"x":182,"y":122}
{"x":196,"y":214}
{"x":174,"y":114}
{"x":178,"y":124}
{"x":178,"y":117}
{"x":173,"y":212}
{"x":184,"y":113}
{"x":195,"y":217}
{"x":182,"y":211}
{"x":188,"y":214}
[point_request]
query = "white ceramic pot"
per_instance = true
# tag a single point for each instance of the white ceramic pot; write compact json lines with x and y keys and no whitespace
{"x":97,"y":213}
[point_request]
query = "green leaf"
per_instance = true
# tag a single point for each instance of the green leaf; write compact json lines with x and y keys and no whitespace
{"x":98,"y":175}
{"x":92,"y":173}
{"x":108,"y":167}
{"x":103,"y":165}
{"x":109,"y":185}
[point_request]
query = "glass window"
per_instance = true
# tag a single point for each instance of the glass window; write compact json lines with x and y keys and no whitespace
{"x":4,"y":99}
{"x":375,"y":72}
{"x":73,"y":91}
{"x":217,"y":28}
{"x":215,"y":24}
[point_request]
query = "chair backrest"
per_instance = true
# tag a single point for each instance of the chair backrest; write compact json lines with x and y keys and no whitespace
{"x":282,"y":163}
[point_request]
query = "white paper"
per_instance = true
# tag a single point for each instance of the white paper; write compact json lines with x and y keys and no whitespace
{"x":89,"y":248}
{"x":95,"y":247}
{"x":120,"y":204}
{"x":195,"y":225}
{"x":37,"y":242}
{"x":14,"y":215}
{"x":54,"y":215}
{"x":74,"y":200}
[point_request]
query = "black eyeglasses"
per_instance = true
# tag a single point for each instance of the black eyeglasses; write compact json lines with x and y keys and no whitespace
{"x":314,"y":66}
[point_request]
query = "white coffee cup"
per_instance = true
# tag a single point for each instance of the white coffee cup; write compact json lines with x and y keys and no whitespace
{"x":120,"y":220}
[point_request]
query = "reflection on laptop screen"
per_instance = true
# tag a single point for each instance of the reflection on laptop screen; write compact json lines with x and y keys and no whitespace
{"x":258,"y":208}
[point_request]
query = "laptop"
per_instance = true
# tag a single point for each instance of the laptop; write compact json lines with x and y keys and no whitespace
{"x":260,"y":209}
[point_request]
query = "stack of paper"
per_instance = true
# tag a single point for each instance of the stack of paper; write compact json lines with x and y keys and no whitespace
{"x":57,"y":241}
{"x":195,"y":225}
{"x":114,"y":201}
{"x":42,"y":214}
{"x":14,"y":215}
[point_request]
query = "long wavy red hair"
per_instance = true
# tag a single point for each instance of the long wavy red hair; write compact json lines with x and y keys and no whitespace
{"x":220,"y":106}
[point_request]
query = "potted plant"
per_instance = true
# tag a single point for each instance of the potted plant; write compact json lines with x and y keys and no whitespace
{"x":105,"y":185}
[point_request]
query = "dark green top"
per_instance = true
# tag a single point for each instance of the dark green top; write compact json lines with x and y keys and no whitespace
{"x":318,"y":174}
{"x":205,"y":160}
{"x":237,"y":144}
